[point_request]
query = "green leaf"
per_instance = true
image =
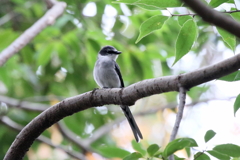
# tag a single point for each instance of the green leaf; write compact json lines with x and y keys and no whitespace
{"x":45,"y":55}
{"x":64,"y":56}
{"x":228,"y":149}
{"x":148,"y":7}
{"x":178,"y":158}
{"x":63,"y":20}
{"x":158,"y":154}
{"x":237,"y":104}
{"x":231,"y":1}
{"x":153,"y":3}
{"x":62,"y":51}
{"x":138,"y":147}
{"x":113,"y":152}
{"x":185,"y":39}
{"x":178,"y":144}
{"x":160,"y":4}
{"x":219,"y":155}
{"x":152,"y":149}
{"x":236,"y":16}
{"x":183,"y":19}
{"x":137,"y":64}
{"x":235,"y":76}
{"x":133,"y":156}
{"x":27,"y":55}
{"x":72,"y":40}
{"x":37,"y":10}
{"x":201,"y":156}
{"x":216,"y":3}
{"x":7,"y":36}
{"x":209,"y":135}
{"x":4,"y":77}
{"x":228,"y":38}
{"x":150,"y":25}
{"x":125,"y":1}
{"x":188,"y":150}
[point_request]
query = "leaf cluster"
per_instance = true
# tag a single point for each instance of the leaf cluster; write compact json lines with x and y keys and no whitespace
{"x":222,"y":151}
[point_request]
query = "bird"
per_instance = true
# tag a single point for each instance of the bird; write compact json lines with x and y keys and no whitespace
{"x":107,"y":74}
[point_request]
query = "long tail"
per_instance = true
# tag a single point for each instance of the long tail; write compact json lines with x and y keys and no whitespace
{"x":136,"y":132}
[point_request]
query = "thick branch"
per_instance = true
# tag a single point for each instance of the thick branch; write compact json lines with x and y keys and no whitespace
{"x":48,"y":19}
{"x":214,"y":17}
{"x":13,"y":125}
{"x":84,"y":144}
{"x":126,"y":96}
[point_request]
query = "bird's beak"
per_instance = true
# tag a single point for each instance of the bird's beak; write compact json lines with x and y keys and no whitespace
{"x":118,"y":52}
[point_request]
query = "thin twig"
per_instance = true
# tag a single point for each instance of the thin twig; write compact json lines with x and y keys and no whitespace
{"x":6,"y":18}
{"x":24,"y":104}
{"x":81,"y":143}
{"x":85,"y":143}
{"x":44,"y":98}
{"x":182,"y":98}
{"x":195,"y":14}
{"x":69,"y":152}
{"x":182,"y":101}
{"x":214,"y":17}
{"x":104,"y":130}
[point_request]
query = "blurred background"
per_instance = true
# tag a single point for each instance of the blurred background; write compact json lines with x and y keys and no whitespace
{"x":59,"y":63}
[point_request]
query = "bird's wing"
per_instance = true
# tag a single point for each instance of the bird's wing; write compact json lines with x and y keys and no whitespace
{"x":117,"y":69}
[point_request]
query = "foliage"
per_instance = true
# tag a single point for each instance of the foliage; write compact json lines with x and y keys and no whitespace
{"x":225,"y":151}
{"x":209,"y":135}
{"x":58,"y":63}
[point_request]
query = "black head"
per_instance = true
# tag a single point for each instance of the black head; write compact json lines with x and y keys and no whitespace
{"x":108,"y":50}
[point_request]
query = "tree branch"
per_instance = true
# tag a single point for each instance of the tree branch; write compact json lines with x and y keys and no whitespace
{"x":194,"y":14}
{"x":85,"y":143}
{"x":24,"y":104}
{"x":104,"y":130}
{"x":213,"y":17}
{"x":182,"y":98}
{"x":73,"y":138}
{"x":125,"y":96}
{"x":13,"y":125}
{"x":69,"y":152}
{"x":48,"y":19}
{"x":6,"y":18}
{"x":107,"y":127}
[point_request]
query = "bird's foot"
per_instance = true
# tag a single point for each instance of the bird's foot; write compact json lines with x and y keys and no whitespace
{"x":94,"y":90}
{"x":105,"y":87}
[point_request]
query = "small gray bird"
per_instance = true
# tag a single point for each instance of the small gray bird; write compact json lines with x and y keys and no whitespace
{"x":107,"y":75}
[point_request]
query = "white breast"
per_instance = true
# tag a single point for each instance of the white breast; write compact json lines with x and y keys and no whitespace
{"x":105,"y":74}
